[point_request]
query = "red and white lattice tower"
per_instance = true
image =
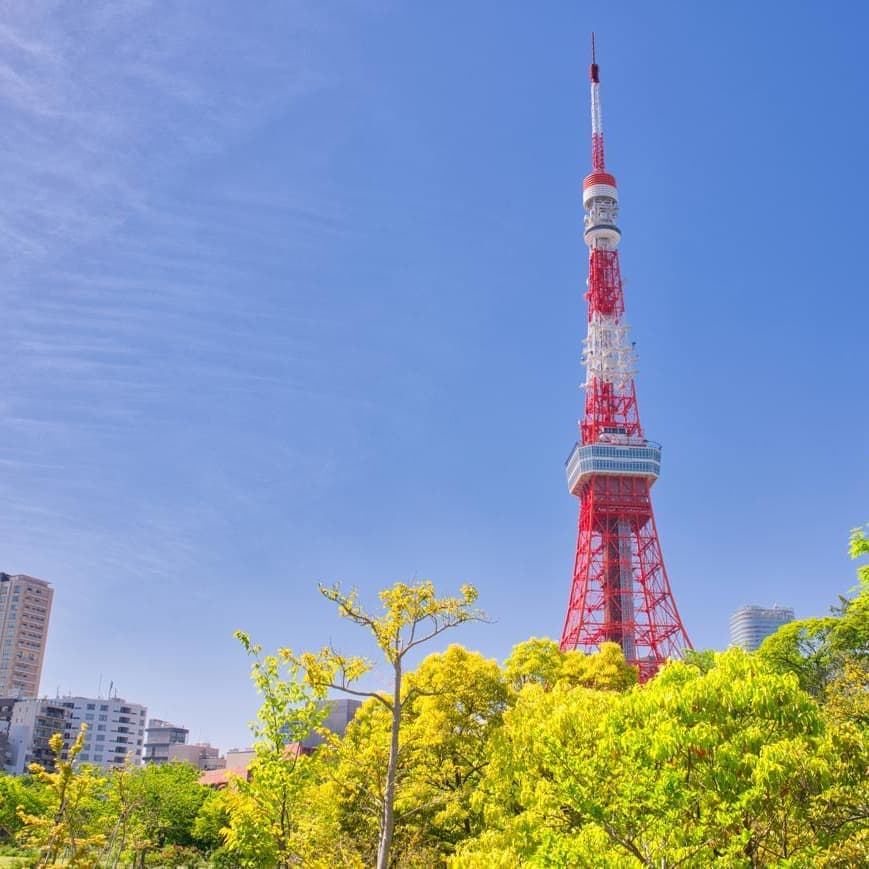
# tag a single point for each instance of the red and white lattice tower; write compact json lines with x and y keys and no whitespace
{"x":620,"y":591}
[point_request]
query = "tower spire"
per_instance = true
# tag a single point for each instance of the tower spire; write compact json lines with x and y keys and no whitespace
{"x":597,"y":160}
{"x":620,"y":591}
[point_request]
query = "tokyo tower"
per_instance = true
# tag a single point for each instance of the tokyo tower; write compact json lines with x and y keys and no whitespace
{"x":620,"y":591}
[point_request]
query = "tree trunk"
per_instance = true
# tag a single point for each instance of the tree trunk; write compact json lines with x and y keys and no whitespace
{"x":387,"y":821}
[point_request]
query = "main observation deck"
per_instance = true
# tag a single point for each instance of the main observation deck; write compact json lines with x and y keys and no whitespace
{"x":634,"y":458}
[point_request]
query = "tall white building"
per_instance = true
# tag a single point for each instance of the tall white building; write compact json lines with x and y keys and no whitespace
{"x":25,"y":607}
{"x":115,"y":729}
{"x":751,"y":625}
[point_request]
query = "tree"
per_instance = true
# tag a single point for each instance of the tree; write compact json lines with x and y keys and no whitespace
{"x":735,"y":766}
{"x":457,"y":702}
{"x":536,"y":660}
{"x":71,"y":828}
{"x":820,"y":650}
{"x":540,"y":661}
{"x":24,"y":792}
{"x":264,"y":812}
{"x":606,"y":670}
{"x":155,"y":807}
{"x":412,"y":615}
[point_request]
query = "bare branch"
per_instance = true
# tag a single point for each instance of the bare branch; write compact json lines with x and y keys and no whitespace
{"x":440,"y":628}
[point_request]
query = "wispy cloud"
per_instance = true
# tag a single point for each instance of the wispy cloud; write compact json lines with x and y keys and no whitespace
{"x":127,"y":330}
{"x":99,"y":99}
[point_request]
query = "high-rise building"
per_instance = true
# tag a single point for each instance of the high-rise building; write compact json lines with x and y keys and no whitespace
{"x":160,"y":736}
{"x":25,"y":607}
{"x":751,"y":625}
{"x":620,"y":592}
{"x":115,"y":729}
{"x":32,"y":723}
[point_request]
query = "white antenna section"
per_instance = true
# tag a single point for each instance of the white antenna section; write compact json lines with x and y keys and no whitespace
{"x":608,"y":354}
{"x":596,"y":117}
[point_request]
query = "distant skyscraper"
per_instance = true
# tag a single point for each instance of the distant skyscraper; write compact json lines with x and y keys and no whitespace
{"x":25,"y":607}
{"x":751,"y":625}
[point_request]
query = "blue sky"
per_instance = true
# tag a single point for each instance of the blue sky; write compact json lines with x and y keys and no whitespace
{"x":293,"y":292}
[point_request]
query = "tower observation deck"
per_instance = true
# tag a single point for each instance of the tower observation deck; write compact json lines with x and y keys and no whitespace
{"x":620,"y":591}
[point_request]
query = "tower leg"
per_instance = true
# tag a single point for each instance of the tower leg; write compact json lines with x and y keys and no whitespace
{"x":620,"y":591}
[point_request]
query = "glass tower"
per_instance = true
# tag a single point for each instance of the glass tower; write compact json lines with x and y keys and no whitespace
{"x":751,"y":625}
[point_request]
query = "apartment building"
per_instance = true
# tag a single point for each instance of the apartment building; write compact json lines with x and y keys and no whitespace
{"x":115,"y":731}
{"x":32,"y":723}
{"x":25,"y":608}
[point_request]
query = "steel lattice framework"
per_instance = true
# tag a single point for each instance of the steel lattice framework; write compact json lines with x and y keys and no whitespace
{"x":620,"y":591}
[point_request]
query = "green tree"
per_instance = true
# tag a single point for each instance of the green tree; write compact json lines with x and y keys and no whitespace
{"x":540,"y":661}
{"x":71,"y":825}
{"x":736,"y":766}
{"x":210,"y":822}
{"x":25,"y":793}
{"x":411,"y":616}
{"x":457,"y":699}
{"x":155,"y":807}
{"x":818,"y":651}
{"x":265,"y":814}
{"x":536,"y":660}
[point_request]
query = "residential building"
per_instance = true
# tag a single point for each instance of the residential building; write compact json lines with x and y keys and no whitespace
{"x":32,"y":723}
{"x":202,"y":755}
{"x":160,"y":737}
{"x":751,"y":625}
{"x":115,"y":729}
{"x":25,"y":607}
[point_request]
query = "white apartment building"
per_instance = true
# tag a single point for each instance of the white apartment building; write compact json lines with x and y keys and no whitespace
{"x":25,"y":607}
{"x":115,"y":729}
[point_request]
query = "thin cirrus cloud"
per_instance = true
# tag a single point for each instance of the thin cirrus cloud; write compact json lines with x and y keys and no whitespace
{"x":99,"y":99}
{"x":125,"y":307}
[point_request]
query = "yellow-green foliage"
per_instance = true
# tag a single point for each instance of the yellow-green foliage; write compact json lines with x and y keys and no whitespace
{"x":70,"y":827}
{"x":553,"y":759}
